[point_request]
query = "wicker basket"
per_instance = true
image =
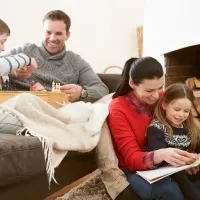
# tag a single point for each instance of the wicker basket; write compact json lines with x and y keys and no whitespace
{"x":55,"y":99}
{"x":112,"y":67}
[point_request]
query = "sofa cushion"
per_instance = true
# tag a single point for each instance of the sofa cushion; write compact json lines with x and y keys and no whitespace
{"x":20,"y":158}
{"x":105,"y":99}
{"x":111,"y":80}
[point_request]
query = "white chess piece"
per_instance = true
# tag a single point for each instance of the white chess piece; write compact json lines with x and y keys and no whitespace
{"x":53,"y":87}
{"x":58,"y":87}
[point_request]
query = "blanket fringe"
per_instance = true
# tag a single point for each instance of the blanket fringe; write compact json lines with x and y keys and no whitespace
{"x":47,"y":149}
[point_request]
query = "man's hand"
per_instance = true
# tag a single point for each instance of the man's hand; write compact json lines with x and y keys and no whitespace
{"x":73,"y":90}
{"x":36,"y":87}
{"x":25,"y":72}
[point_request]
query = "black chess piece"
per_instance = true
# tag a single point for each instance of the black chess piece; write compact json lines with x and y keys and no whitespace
{"x":4,"y":85}
{"x":7,"y":84}
{"x":12,"y":87}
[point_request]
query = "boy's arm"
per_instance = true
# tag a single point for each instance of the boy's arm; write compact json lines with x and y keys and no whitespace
{"x":9,"y":64}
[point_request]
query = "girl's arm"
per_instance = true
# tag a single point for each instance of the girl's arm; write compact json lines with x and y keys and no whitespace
{"x":156,"y":140}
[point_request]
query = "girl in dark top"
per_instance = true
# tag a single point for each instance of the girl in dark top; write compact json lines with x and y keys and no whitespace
{"x":173,"y":126}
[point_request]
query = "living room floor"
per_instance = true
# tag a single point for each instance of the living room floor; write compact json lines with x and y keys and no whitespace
{"x":68,"y":188}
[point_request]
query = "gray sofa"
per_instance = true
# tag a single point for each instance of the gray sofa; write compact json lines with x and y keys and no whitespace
{"x":22,"y":166}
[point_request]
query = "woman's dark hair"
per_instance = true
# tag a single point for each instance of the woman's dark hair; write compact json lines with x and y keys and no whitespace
{"x":138,"y":69}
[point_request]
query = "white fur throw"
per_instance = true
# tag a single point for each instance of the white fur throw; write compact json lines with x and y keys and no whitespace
{"x":76,"y":126}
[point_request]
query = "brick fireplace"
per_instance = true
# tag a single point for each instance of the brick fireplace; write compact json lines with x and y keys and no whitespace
{"x":182,"y":64}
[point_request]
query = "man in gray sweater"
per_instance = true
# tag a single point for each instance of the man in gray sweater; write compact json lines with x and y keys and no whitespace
{"x":57,"y":65}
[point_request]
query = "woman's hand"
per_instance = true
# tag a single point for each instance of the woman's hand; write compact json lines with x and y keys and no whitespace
{"x":174,"y":157}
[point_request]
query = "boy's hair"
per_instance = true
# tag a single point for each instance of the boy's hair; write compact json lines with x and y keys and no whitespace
{"x":4,"y":28}
{"x":174,"y":92}
{"x":59,"y":15}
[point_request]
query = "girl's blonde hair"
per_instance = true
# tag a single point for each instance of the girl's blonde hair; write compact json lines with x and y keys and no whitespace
{"x":174,"y":92}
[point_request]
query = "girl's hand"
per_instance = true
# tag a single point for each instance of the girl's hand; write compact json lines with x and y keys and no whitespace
{"x":192,"y":171}
{"x":174,"y":157}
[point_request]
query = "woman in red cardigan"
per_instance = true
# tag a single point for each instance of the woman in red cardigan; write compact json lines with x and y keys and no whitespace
{"x":130,"y":112}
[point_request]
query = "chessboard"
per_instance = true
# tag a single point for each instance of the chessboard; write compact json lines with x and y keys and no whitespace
{"x":55,"y":98}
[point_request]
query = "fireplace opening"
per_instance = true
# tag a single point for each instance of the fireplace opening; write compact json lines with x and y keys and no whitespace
{"x":182,"y":64}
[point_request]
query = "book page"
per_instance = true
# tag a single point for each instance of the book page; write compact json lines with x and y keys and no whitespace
{"x":157,"y":174}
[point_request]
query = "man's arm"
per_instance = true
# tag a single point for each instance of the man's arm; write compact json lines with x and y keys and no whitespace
{"x":14,"y":51}
{"x":89,"y":79}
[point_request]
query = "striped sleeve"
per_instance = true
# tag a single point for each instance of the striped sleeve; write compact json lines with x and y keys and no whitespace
{"x":9,"y":64}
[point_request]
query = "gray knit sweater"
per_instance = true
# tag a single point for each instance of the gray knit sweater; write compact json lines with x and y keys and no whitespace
{"x":64,"y":68}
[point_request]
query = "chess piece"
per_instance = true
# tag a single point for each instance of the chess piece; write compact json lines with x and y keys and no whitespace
{"x":58,"y":87}
{"x":1,"y":83}
{"x":53,"y":87}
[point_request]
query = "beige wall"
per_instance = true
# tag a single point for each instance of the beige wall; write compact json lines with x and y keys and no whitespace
{"x":103,"y":31}
{"x":170,"y":25}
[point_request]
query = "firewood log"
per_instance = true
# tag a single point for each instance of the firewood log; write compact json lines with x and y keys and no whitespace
{"x":197,"y":104}
{"x":190,"y":82}
{"x":197,"y":83}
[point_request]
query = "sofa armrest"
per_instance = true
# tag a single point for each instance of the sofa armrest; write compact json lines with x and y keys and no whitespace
{"x":18,"y":158}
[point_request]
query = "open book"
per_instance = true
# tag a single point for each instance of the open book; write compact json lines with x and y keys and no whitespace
{"x":156,"y":174}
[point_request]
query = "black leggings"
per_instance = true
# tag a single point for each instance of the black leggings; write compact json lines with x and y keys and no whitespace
{"x":184,"y":182}
{"x":127,"y":194}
